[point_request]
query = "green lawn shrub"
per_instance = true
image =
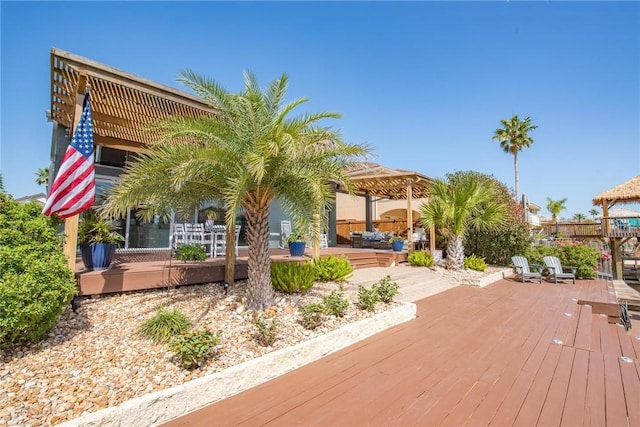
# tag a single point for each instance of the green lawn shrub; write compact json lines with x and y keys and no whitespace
{"x":582,"y":256}
{"x":332,"y":268}
{"x":474,"y":262}
{"x":420,"y":259}
{"x":191,"y":253}
{"x":164,"y":325}
{"x":367,"y":298}
{"x":36,"y":285}
{"x":386,"y":289}
{"x":335,"y":303}
{"x":311,"y":315}
{"x":292,"y":277}
{"x":194,"y":348}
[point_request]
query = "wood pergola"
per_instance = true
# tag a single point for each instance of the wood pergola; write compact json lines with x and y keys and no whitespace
{"x":627,"y":192}
{"x":374,"y":180}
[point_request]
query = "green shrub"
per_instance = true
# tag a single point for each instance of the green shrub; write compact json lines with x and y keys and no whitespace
{"x":36,"y":284}
{"x":292,"y":277}
{"x":420,"y":258}
{"x":386,"y":289}
{"x":335,"y":303}
{"x":584,"y":257}
{"x":311,"y":315}
{"x":193,"y":349}
{"x":332,"y":268}
{"x":164,"y":325}
{"x":475,"y":263}
{"x":266,"y":330}
{"x":191,"y":253}
{"x":367,"y":298}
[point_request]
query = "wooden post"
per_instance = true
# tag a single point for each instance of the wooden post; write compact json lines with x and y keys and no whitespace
{"x":230,"y":252}
{"x":409,"y":215}
{"x":432,"y":238}
{"x":71,"y":223}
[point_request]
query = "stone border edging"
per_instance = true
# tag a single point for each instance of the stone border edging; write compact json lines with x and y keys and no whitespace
{"x":173,"y":402}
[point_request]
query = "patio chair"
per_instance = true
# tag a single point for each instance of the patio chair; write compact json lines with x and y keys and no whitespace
{"x":196,"y":235}
{"x":558,"y":271}
{"x":525,"y":271}
{"x":219,"y":237}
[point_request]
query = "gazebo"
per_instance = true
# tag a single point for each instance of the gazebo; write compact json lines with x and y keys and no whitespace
{"x":374,"y":180}
{"x":627,"y":192}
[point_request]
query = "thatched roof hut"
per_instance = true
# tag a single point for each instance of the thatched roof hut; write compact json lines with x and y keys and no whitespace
{"x":627,"y":192}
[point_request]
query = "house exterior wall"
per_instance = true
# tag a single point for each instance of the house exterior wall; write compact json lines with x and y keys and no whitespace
{"x":353,"y":207}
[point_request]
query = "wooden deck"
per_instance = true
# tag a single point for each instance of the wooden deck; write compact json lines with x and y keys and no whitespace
{"x":508,"y":354}
{"x":137,"y":271}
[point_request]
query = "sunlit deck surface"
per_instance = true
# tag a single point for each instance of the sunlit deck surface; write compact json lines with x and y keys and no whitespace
{"x":507,"y":354}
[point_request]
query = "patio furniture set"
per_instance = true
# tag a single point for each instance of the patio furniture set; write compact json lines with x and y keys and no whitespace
{"x":212,"y":237}
{"x":525,"y":271}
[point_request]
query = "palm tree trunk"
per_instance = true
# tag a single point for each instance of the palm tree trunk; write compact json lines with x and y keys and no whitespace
{"x":455,"y":253}
{"x":515,"y":169}
{"x":260,"y":294}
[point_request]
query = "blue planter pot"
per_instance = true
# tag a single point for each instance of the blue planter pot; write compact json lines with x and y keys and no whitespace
{"x":397,"y":246}
{"x":97,"y":256}
{"x":296,"y":249}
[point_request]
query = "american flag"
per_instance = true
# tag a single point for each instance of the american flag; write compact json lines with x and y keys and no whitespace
{"x":73,"y":190}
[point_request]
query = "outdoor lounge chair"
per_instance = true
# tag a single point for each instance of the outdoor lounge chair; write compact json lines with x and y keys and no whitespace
{"x":523,"y":271}
{"x":558,"y":271}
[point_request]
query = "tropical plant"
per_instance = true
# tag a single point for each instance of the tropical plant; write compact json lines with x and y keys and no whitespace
{"x":497,"y":246}
{"x":249,"y":154}
{"x":296,"y":237}
{"x":583,"y":257}
{"x":594,"y":213}
{"x":266,"y":330}
{"x":292,"y":277}
{"x":35,"y":283}
{"x":191,"y":253}
{"x":194,"y":348}
{"x":164,"y":325}
{"x":335,"y":303}
{"x":513,"y":138}
{"x":474,"y":262}
{"x":367,"y":298}
{"x":92,"y":228}
{"x":579,"y":217}
{"x":395,"y":238}
{"x":386,"y":289}
{"x":42,"y":176}
{"x":420,"y":258}
{"x":332,"y":268}
{"x":311,"y":315}
{"x":555,"y":207}
{"x":456,"y":207}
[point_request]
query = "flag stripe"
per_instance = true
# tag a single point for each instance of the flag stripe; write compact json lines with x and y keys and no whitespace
{"x":73,"y":190}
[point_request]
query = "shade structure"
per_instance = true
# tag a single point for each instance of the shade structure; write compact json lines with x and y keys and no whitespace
{"x":627,"y":192}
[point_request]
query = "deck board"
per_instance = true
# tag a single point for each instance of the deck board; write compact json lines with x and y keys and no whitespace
{"x":473,"y":356}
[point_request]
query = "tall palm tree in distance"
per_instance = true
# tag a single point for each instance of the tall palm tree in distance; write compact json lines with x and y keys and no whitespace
{"x":42,"y":176}
{"x":579,"y":217}
{"x":456,"y":207}
{"x":514,"y":137}
{"x":594,"y":213}
{"x":555,"y":207}
{"x":252,"y":153}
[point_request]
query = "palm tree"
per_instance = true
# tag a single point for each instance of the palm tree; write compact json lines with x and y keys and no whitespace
{"x":252,"y":153}
{"x":513,"y":138}
{"x":456,"y":207}
{"x":555,"y":207}
{"x":594,"y":213}
{"x":579,"y":217}
{"x":42,"y":176}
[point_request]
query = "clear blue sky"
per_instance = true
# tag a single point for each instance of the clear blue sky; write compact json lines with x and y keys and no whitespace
{"x":425,"y":84}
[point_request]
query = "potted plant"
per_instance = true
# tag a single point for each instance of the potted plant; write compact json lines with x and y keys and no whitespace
{"x":397,"y":243}
{"x":98,"y":240}
{"x":297,"y":242}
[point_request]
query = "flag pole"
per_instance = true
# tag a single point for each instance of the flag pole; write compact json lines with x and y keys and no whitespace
{"x":71,"y":223}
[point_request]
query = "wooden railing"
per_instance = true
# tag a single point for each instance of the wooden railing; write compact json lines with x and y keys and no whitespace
{"x":618,"y":227}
